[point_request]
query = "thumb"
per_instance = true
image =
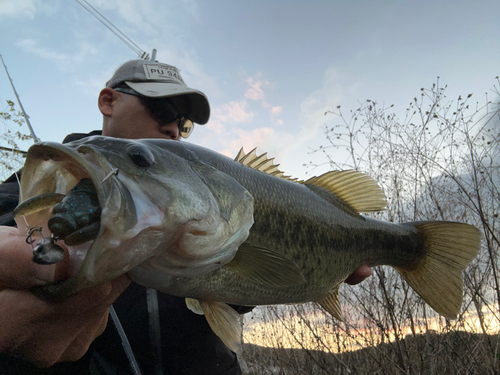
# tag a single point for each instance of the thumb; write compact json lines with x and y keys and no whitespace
{"x":17,"y":269}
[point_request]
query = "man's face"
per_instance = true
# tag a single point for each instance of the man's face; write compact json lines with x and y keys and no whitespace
{"x":129,"y":118}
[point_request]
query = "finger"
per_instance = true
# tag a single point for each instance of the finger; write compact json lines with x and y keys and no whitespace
{"x":47,"y":332}
{"x":17,"y":269}
{"x":81,"y":343}
{"x":54,"y":333}
{"x":63,"y":339}
{"x":99,"y":295}
{"x":359,"y":275}
{"x":93,"y":323}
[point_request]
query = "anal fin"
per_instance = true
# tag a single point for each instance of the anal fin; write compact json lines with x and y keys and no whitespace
{"x":331,"y":303}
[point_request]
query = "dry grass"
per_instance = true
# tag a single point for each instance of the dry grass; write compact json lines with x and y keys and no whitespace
{"x":429,"y":353}
{"x":441,"y":161}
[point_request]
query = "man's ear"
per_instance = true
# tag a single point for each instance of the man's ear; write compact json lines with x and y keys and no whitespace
{"x":106,"y":100}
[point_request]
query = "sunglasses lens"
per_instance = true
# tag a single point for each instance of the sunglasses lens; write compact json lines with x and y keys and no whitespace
{"x":186,"y":127}
{"x":161,"y":109}
{"x":165,"y":112}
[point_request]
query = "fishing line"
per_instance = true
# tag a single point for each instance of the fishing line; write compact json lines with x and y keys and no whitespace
{"x":25,"y":115}
{"x":134,"y":366}
{"x":154,"y":329}
{"x":115,"y":30}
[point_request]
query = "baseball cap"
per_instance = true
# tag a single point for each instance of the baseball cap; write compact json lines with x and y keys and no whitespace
{"x":157,"y":80}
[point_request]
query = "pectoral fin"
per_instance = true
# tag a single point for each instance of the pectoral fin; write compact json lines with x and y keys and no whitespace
{"x":194,"y":305}
{"x":331,"y":303}
{"x":266,"y":267}
{"x":223,"y":319}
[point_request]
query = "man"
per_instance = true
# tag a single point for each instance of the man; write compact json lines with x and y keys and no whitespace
{"x":143,"y":99}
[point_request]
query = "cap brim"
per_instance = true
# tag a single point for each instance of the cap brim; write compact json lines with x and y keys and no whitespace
{"x":198,"y":103}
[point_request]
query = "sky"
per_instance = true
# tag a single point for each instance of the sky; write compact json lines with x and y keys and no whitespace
{"x":271,"y":69}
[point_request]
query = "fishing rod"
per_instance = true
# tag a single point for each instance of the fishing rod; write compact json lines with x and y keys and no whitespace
{"x":25,"y":115}
{"x":115,"y":30}
{"x":85,"y":4}
{"x":152,"y":298}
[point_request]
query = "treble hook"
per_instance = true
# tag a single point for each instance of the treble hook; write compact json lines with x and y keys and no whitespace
{"x":113,"y":172}
{"x":30,"y":233}
{"x":46,"y":251}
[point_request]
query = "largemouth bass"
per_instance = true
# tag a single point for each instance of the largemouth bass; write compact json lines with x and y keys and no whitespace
{"x":193,"y":223}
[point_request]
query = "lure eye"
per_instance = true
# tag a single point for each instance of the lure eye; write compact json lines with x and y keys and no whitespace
{"x":141,"y":156}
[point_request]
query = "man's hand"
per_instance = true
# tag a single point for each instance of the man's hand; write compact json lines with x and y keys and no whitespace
{"x":40,"y":331}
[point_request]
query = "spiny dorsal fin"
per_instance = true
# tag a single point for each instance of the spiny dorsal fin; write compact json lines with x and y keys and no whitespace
{"x":331,"y":303}
{"x":261,"y":163}
{"x":357,"y":189}
{"x":222,"y":318}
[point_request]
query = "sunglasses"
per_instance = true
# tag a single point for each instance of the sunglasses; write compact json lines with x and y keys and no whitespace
{"x":164,"y":111}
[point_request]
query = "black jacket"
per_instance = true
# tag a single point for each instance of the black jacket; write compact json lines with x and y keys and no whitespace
{"x":189,"y":346}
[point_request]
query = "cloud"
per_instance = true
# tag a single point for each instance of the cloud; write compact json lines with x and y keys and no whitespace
{"x":145,"y":15}
{"x":264,"y":139}
{"x":192,"y":70}
{"x":29,"y":45}
{"x":92,"y":84}
{"x":131,"y":11}
{"x":215,"y":125}
{"x":236,"y":112}
{"x":25,"y":8}
{"x":314,"y":106}
{"x":227,"y":116}
{"x":193,"y":8}
{"x":140,"y":20}
{"x":62,"y":59}
{"x":288,"y":145}
{"x":334,"y":89}
{"x":249,"y":139}
{"x":276,"y":110}
{"x":232,"y":112}
{"x":255,"y":92}
{"x":229,"y":113}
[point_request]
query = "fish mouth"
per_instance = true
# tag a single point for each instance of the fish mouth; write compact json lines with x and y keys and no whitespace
{"x":55,"y":170}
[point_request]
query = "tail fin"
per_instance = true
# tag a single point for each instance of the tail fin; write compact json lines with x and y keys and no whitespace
{"x":449,"y":248}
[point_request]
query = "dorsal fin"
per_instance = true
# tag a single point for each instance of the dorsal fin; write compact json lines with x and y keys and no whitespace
{"x":261,"y":163}
{"x":357,"y":189}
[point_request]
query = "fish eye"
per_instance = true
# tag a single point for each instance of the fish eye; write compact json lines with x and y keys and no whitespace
{"x":141,"y":156}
